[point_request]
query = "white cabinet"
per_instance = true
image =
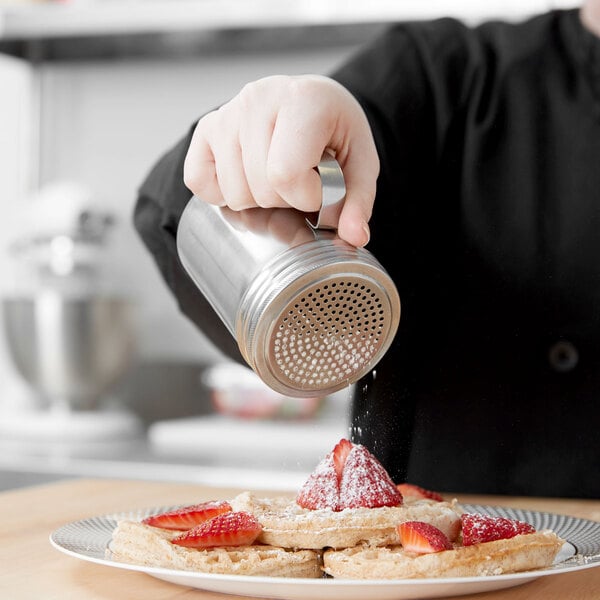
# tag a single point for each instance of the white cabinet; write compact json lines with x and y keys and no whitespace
{"x":18,"y":163}
{"x":17,"y":127}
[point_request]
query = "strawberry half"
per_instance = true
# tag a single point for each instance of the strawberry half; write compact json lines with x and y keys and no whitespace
{"x":365,"y":483}
{"x":227,"y":529}
{"x":478,"y":529}
{"x":348,"y":477}
{"x":409,"y":490}
{"x":422,"y":538}
{"x":187,"y":517}
{"x":322,"y":488}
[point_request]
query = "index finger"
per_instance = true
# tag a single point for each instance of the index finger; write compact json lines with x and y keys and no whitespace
{"x":300,"y":135}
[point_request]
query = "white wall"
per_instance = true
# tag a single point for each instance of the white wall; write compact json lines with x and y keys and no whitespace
{"x":17,"y":160}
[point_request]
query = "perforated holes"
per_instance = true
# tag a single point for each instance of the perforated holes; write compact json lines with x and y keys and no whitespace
{"x":329,"y":333}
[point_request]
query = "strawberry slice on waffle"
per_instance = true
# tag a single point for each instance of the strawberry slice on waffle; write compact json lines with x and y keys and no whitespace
{"x":478,"y":529}
{"x":185,"y":518}
{"x":348,"y":477}
{"x":227,"y":529}
{"x":422,"y":538}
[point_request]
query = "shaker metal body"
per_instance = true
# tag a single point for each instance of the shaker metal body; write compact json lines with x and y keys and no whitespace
{"x":311,"y":313}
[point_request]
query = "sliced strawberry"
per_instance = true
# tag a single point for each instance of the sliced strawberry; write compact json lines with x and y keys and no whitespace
{"x":340,"y":454}
{"x":365,"y":483}
{"x":422,"y":538}
{"x":187,"y":517}
{"x":478,"y":529}
{"x":322,"y":488}
{"x":227,"y":529}
{"x":414,"y":492}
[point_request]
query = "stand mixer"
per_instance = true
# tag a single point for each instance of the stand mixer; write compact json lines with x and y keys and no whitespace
{"x":70,"y":339}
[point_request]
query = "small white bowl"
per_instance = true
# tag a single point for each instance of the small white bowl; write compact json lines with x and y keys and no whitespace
{"x":238,"y":391}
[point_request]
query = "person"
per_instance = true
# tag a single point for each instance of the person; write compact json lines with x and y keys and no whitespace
{"x":471,"y":157}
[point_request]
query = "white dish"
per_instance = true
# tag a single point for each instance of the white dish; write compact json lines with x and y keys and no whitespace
{"x":88,"y":540}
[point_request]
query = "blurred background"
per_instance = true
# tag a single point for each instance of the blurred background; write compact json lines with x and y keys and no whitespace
{"x":100,"y":375}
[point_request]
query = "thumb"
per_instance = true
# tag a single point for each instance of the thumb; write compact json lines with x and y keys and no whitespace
{"x":361,"y":169}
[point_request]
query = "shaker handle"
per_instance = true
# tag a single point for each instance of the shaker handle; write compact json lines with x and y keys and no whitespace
{"x":333,"y":193}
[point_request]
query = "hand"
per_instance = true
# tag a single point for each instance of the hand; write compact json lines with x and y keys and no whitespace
{"x":260,"y":149}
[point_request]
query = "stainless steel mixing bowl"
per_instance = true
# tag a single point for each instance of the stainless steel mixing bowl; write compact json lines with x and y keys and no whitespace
{"x":70,"y":350}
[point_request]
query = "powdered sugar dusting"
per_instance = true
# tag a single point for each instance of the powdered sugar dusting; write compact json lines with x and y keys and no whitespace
{"x":365,"y":483}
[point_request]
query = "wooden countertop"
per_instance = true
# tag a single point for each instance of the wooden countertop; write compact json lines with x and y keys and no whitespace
{"x":31,"y":568}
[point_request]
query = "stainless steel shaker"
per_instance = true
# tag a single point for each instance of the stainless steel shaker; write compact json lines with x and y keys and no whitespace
{"x":311,"y":313}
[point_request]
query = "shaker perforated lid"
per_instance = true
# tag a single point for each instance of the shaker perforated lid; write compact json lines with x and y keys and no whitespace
{"x":320,"y":315}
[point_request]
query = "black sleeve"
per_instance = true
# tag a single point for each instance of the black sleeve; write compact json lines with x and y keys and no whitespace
{"x":413,"y":83}
{"x":161,"y":200}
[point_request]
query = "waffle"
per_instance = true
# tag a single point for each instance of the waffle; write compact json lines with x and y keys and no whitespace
{"x":139,"y":544}
{"x":287,"y":525}
{"x":520,"y":553}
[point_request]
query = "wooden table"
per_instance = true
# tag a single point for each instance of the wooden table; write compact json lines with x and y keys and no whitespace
{"x":31,"y":569}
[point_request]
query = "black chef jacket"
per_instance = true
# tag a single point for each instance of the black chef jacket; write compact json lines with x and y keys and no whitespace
{"x":487,"y":217}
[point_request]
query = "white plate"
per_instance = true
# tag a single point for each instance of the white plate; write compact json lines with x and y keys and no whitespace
{"x":88,"y":540}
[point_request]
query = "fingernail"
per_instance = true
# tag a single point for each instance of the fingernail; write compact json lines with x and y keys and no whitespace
{"x":367,"y":232}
